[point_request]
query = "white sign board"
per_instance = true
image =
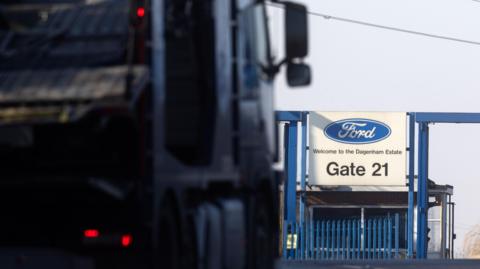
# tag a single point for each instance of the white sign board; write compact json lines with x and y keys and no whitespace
{"x":357,"y":148}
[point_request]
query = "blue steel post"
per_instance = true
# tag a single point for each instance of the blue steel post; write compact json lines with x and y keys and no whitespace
{"x":397,"y":235}
{"x":369,"y":239}
{"x":411,"y":184}
{"x":349,"y":238}
{"x":317,"y":240}
{"x":422,"y":191}
{"x":328,"y":240}
{"x":384,"y":238}
{"x":322,"y":241}
{"x":312,"y":239}
{"x":406,"y":233}
{"x":354,"y":246}
{"x":303,"y":162}
{"x":290,"y":186}
{"x":332,"y":239}
{"x":370,"y":234}
{"x":291,"y":182}
{"x":380,"y":238}
{"x":343,"y":240}
{"x":380,"y":233}
{"x":389,"y":237}
{"x":365,"y":240}
{"x":360,"y":242}
{"x":285,"y":238}
{"x":305,"y":237}
{"x":337,"y":255}
{"x":302,"y":239}
{"x":303,"y":168}
{"x":375,"y":238}
{"x":297,"y":243}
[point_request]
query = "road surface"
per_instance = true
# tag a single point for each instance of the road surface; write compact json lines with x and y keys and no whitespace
{"x":400,"y":264}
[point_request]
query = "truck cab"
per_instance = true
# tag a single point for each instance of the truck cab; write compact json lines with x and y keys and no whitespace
{"x":235,"y":71}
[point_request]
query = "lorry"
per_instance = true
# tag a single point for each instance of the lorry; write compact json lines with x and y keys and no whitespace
{"x":140,"y":133}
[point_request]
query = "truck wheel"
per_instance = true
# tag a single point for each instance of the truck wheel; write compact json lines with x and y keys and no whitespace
{"x":221,"y":234}
{"x":169,"y":238}
{"x":191,"y":244}
{"x":263,"y":237}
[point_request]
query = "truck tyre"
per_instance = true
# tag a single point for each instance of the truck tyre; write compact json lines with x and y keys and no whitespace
{"x":169,"y":243}
{"x":208,"y":224}
{"x":191,"y":244}
{"x":263,"y":245}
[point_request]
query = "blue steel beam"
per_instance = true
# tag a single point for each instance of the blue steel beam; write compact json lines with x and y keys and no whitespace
{"x":286,"y":226}
{"x":290,"y":186}
{"x":411,"y":184}
{"x":303,"y":168}
{"x":288,"y":115}
{"x":397,"y":235}
{"x":447,"y":117}
{"x":422,"y":191}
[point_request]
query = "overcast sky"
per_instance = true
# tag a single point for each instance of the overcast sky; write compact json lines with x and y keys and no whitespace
{"x":360,"y":68}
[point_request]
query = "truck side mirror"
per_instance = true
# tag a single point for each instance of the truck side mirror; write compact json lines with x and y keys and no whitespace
{"x":298,"y":74}
{"x":296,"y":31}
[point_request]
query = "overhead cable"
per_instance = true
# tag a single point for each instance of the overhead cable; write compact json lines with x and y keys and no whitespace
{"x":390,"y":28}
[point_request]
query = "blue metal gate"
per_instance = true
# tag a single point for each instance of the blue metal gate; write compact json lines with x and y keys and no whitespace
{"x":342,"y":239}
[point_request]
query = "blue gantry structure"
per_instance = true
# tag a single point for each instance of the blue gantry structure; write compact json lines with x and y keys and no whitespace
{"x":296,"y":164}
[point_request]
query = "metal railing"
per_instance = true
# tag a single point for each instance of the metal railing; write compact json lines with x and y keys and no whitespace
{"x":342,"y":239}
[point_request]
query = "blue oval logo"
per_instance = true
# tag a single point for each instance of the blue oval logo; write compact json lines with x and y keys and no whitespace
{"x":357,"y":131}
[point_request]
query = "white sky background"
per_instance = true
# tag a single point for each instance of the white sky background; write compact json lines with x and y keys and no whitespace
{"x":359,"y":68}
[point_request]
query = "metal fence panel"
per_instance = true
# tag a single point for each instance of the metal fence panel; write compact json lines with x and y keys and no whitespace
{"x":342,"y":239}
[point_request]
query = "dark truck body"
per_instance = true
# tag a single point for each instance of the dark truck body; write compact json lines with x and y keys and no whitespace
{"x":69,"y":132}
{"x":144,"y":120}
{"x":66,"y":55}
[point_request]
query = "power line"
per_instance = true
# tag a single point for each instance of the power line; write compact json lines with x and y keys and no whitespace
{"x":390,"y":28}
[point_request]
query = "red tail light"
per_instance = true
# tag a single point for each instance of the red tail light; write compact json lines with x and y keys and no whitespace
{"x":91,"y":233}
{"x":126,"y":240}
{"x":140,"y":12}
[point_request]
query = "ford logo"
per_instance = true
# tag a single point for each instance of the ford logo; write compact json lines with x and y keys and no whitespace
{"x":357,"y":131}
